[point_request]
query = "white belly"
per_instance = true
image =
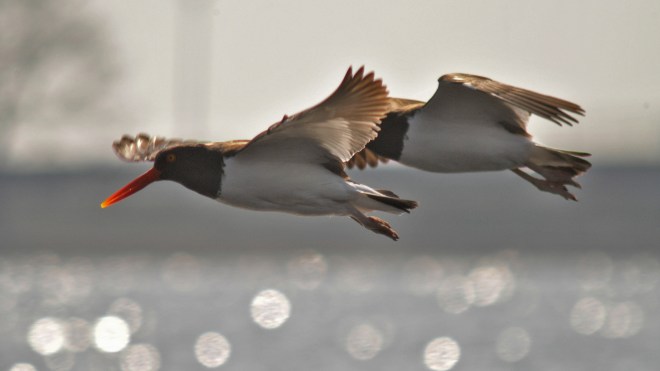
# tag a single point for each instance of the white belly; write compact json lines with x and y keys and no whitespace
{"x":462,"y":147}
{"x":306,"y":189}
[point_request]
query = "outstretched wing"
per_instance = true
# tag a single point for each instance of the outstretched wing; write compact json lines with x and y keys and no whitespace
{"x":365,"y":158}
{"x":144,"y":147}
{"x":470,"y":91}
{"x":469,"y":100}
{"x":368,"y":158}
{"x":335,"y":129}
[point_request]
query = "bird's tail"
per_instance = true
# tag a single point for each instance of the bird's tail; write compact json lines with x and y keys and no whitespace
{"x":378,"y":200}
{"x":559,"y":168}
{"x":370,"y":199}
{"x":390,"y":199}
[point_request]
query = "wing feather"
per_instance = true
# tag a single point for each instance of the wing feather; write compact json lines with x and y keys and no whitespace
{"x":338,"y":127}
{"x":366,"y":158}
{"x":554,"y":109}
{"x":472,"y":99}
{"x":144,"y":147}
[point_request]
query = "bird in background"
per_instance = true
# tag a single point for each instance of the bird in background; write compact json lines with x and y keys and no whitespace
{"x":473,"y":123}
{"x":295,"y":166}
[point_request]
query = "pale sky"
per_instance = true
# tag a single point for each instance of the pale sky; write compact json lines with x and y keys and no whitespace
{"x":231,"y":68}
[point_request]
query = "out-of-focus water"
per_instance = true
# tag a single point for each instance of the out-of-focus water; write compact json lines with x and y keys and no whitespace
{"x":489,"y":274}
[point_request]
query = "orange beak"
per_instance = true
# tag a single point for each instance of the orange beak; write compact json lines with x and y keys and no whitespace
{"x":140,"y":182}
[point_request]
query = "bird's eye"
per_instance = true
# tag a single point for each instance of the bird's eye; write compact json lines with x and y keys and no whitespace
{"x":171,"y":157}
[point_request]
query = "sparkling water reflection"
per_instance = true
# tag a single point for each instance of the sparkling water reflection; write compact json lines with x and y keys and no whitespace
{"x":46,"y":336}
{"x":111,"y":334}
{"x":613,"y":304}
{"x":212,"y":349}
{"x":364,"y":341}
{"x":513,"y":344}
{"x":307,"y":270}
{"x":489,"y":282}
{"x":128,"y":310}
{"x":623,"y":320}
{"x":441,"y":354}
{"x":22,"y":367}
{"x":140,"y":357}
{"x":270,"y":309}
{"x":455,"y":294}
{"x":588,"y":316}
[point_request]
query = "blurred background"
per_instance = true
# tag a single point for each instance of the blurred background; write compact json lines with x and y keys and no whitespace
{"x":489,"y":272}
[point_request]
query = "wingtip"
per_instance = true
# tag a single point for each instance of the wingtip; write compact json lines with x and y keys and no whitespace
{"x":360,"y":72}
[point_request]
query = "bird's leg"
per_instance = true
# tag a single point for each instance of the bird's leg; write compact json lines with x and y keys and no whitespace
{"x":374,"y":224}
{"x":546,"y":186}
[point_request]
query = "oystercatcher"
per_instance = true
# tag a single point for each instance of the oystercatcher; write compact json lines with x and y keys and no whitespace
{"x":295,"y":166}
{"x":473,"y":123}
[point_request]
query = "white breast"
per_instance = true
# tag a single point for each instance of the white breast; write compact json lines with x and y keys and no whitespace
{"x":298,"y":188}
{"x":462,"y":146}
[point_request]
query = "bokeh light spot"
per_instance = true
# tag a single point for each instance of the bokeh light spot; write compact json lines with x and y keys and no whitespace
{"x":455,"y":294}
{"x":129,"y":310}
{"x":78,"y":333}
{"x":513,"y":344}
{"x":307,"y":270}
{"x":140,"y":357}
{"x":441,"y":354}
{"x":623,"y":320}
{"x":22,"y":367}
{"x":364,"y":342}
{"x":212,"y":349}
{"x":587,"y":316}
{"x":111,"y":334}
{"x":46,"y":336}
{"x":492,"y":284}
{"x":270,"y":309}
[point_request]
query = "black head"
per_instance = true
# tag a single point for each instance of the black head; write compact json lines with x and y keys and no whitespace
{"x":197,"y":168}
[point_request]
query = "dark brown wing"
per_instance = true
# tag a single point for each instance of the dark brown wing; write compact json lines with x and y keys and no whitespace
{"x":368,"y":158}
{"x":365,"y":158}
{"x":554,"y":109}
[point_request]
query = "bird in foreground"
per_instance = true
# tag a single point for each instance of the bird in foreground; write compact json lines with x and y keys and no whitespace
{"x":473,"y":123}
{"x":295,"y":166}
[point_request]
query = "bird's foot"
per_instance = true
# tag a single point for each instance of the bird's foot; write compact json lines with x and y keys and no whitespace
{"x":558,"y":188}
{"x":380,"y":226}
{"x":553,"y":187}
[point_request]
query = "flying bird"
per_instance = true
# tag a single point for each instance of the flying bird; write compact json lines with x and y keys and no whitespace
{"x":473,"y":123}
{"x":295,"y":166}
